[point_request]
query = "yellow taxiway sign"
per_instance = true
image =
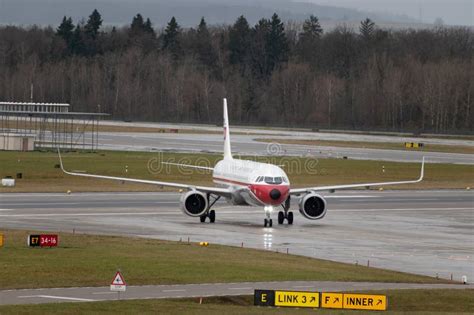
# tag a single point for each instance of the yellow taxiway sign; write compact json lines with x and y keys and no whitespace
{"x":297,"y":299}
{"x":365,"y":302}
{"x":331,"y":300}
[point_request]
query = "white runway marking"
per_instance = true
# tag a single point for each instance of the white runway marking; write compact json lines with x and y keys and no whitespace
{"x":83,"y":203}
{"x":174,"y":290}
{"x":56,"y":297}
{"x":104,"y":292}
{"x":79,"y":214}
{"x":246,"y":288}
{"x":351,"y":196}
{"x":226,"y":212}
{"x":22,"y":195}
{"x":402,"y":209}
{"x":6,"y":209}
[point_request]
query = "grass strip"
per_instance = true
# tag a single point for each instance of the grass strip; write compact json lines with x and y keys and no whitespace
{"x":92,"y":260}
{"x":400,"y":302}
{"x":39,"y":172}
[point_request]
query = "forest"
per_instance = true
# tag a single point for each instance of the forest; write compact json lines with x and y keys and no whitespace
{"x":273,"y":73}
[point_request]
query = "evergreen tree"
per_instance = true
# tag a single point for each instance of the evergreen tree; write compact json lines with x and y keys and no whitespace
{"x":259,"y":49}
{"x":78,"y":46}
{"x":308,"y":39}
{"x":239,"y":41}
{"x":205,"y":50}
{"x":65,"y":30}
{"x":367,"y":28}
{"x":137,"y":26}
{"x":148,"y":27}
{"x":277,"y":43}
{"x":142,"y":34}
{"x":311,"y":28}
{"x":171,"y":39}
{"x":91,"y":29}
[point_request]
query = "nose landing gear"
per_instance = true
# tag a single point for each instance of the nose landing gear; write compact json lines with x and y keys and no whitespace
{"x":268,"y":221}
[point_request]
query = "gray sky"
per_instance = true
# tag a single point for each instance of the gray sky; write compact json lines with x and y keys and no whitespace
{"x":455,"y":12}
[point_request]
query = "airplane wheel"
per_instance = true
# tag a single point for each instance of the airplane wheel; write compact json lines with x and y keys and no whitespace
{"x":265,"y":223}
{"x":281,"y":217}
{"x":202,"y":218}
{"x":212,"y":216}
{"x":270,"y":223}
{"x":290,"y":217}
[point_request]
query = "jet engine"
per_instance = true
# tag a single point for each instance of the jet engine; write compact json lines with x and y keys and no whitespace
{"x":313,"y":206}
{"x":194,"y":203}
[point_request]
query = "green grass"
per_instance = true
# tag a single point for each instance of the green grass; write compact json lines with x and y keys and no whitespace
{"x":400,"y":302}
{"x":88,"y":260}
{"x":40,"y":174}
{"x":375,"y":145}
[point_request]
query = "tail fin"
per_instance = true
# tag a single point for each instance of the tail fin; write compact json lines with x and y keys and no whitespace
{"x":227,"y":150}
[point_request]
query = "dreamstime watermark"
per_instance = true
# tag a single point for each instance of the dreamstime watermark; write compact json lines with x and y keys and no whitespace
{"x":169,"y":164}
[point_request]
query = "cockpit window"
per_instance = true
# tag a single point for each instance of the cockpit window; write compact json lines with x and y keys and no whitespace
{"x":273,"y":180}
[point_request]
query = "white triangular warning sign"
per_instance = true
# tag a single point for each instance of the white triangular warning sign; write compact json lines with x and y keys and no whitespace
{"x":118,"y":279}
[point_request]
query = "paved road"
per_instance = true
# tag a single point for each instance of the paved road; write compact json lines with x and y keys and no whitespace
{"x":303,"y":133}
{"x":423,"y":232}
{"x":92,"y":294}
{"x":246,"y":145}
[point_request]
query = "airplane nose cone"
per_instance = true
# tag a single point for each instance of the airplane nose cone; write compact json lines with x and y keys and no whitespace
{"x":275,"y":194}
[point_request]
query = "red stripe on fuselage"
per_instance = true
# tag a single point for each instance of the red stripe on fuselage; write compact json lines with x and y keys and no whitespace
{"x":262,"y":191}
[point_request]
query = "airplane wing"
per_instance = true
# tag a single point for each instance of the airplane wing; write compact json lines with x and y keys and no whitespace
{"x":214,"y":190}
{"x":190,"y":166}
{"x":298,"y":191}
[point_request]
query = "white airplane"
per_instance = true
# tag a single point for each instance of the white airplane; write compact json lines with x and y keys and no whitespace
{"x":249,"y":183}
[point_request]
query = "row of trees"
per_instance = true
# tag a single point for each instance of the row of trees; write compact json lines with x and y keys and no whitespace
{"x":273,"y":73}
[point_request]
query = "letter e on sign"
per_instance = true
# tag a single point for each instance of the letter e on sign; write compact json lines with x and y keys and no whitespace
{"x":264,"y":298}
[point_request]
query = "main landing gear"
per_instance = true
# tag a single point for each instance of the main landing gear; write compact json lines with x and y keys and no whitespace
{"x":288,"y":215}
{"x":211,"y":214}
{"x":285,"y":214}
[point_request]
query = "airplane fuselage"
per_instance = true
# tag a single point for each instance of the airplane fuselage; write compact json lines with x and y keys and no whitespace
{"x":252,"y":183}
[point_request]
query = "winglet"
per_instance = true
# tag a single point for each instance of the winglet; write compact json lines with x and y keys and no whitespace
{"x":422,"y":173}
{"x":61,"y":161}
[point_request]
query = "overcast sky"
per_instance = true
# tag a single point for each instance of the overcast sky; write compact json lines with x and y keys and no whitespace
{"x":455,"y":12}
{"x":47,"y":12}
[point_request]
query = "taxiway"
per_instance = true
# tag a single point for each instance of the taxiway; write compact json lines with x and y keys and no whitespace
{"x":423,"y":232}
